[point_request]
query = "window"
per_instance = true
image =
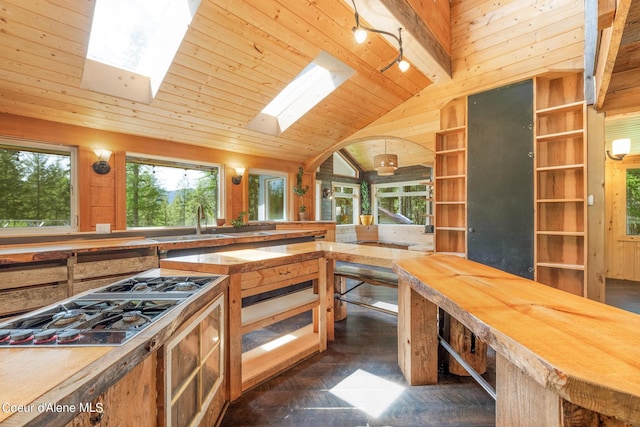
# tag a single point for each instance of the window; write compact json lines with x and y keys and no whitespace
{"x":36,"y":183}
{"x":342,"y":166}
{"x":318,"y":79}
{"x":401,"y":203}
{"x":132,"y":45}
{"x":633,"y":201}
{"x":267,"y":196}
{"x":163,"y":193}
{"x":346,"y":199}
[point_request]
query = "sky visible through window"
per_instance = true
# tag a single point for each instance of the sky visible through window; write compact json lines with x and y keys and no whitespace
{"x":140,"y":36}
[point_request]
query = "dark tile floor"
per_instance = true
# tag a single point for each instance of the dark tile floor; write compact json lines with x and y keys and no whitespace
{"x":357,"y":381}
{"x":624,"y":294}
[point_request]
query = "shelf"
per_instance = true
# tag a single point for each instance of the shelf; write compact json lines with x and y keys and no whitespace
{"x":561,"y":233}
{"x":453,"y":151}
{"x":450,"y":131}
{"x":561,"y":174}
{"x":561,"y":265}
{"x":574,"y":106}
{"x":451,"y":228}
{"x":560,"y":167}
{"x":452,"y":202}
{"x":442,"y":178}
{"x":273,"y":310}
{"x":560,"y":201}
{"x":568,"y":134}
{"x":272,"y":358}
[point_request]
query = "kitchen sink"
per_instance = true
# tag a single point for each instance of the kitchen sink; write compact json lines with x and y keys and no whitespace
{"x":188,"y":237}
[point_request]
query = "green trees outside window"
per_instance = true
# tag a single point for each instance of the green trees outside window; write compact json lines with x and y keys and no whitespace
{"x":633,"y":201}
{"x":35,"y":185}
{"x":161,"y":195}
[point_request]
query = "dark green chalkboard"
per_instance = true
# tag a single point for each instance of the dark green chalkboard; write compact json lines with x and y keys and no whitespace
{"x":500,"y":178}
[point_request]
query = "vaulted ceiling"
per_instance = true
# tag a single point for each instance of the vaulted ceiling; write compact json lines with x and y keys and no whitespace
{"x":238,"y":54}
{"x":236,"y":57}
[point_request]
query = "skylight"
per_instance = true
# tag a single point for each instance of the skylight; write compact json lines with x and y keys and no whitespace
{"x":132,"y":45}
{"x":318,"y":79}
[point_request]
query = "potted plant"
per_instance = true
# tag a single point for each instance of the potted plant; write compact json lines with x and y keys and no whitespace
{"x":300,"y":191}
{"x":365,"y":204}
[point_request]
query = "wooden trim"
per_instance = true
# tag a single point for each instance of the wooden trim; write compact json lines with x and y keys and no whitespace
{"x":609,"y":46}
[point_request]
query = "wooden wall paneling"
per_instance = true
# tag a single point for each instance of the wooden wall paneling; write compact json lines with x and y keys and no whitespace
{"x":119,"y":160}
{"x":85,"y":154}
{"x":596,"y":220}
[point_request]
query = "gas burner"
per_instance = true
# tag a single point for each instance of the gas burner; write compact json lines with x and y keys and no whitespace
{"x":185,"y":286}
{"x":106,"y":317}
{"x":22,"y":336}
{"x":69,"y":336}
{"x":141,"y":287}
{"x":131,"y":320}
{"x":67,"y":317}
{"x":45,"y":337}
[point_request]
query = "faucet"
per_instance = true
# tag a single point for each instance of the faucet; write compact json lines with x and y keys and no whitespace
{"x":199,"y":215}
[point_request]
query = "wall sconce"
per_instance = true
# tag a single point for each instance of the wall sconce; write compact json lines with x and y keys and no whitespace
{"x":237,"y":179}
{"x":360,"y":34}
{"x":327,"y":193}
{"x":101,"y":166}
{"x":619,"y":149}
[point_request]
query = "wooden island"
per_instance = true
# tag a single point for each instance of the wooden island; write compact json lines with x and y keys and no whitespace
{"x":562,"y":360}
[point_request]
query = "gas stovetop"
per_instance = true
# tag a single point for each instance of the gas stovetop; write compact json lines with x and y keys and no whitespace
{"x":108,"y":316}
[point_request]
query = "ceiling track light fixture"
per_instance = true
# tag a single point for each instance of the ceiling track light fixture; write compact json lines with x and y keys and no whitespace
{"x":360,"y":33}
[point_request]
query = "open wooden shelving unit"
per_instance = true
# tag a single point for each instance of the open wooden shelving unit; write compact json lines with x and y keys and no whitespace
{"x":561,"y":182}
{"x":283,"y":349}
{"x":450,"y":172}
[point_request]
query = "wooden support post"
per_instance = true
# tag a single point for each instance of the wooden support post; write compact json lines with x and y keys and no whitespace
{"x":417,"y":336}
{"x":467,"y":345}
{"x":340,"y":307}
{"x":331,"y":310}
{"x":522,"y":402}
{"x":323,"y":308}
{"x":235,"y":337}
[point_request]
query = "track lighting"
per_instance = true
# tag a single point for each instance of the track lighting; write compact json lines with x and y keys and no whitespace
{"x":360,"y":34}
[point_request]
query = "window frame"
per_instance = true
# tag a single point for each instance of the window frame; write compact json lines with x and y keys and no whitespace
{"x":355,"y":196}
{"x":375,"y":196}
{"x":25,"y":144}
{"x":616,"y":198}
{"x":177,"y":163}
{"x":268,"y":175}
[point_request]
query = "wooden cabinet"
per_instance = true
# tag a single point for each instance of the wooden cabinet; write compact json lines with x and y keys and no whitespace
{"x":280,"y":293}
{"x":194,"y":369}
{"x":560,"y":184}
{"x":450,"y":170}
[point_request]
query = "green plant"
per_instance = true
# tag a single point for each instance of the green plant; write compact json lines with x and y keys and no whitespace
{"x":239,"y":222}
{"x":365,"y":205}
{"x":300,"y":190}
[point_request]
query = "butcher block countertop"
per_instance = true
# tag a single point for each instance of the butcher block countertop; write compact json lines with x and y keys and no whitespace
{"x":585,"y":351}
{"x":34,"y":380}
{"x":29,"y":252}
{"x":238,"y":261}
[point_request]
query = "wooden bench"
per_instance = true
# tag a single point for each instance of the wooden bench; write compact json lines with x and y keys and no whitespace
{"x":377,"y":276}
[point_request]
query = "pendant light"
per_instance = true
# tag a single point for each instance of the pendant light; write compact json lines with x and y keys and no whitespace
{"x":385,"y":164}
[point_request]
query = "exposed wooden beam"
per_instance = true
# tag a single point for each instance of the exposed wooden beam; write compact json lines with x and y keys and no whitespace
{"x":609,"y":46}
{"x":411,"y":21}
{"x":606,"y":12}
{"x":421,"y":48}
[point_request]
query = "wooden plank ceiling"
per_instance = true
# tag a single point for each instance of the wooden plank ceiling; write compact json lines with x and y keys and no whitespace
{"x":236,"y":57}
{"x":620,"y":99}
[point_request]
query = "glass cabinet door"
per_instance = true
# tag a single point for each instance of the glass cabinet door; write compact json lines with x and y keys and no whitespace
{"x":194,"y":366}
